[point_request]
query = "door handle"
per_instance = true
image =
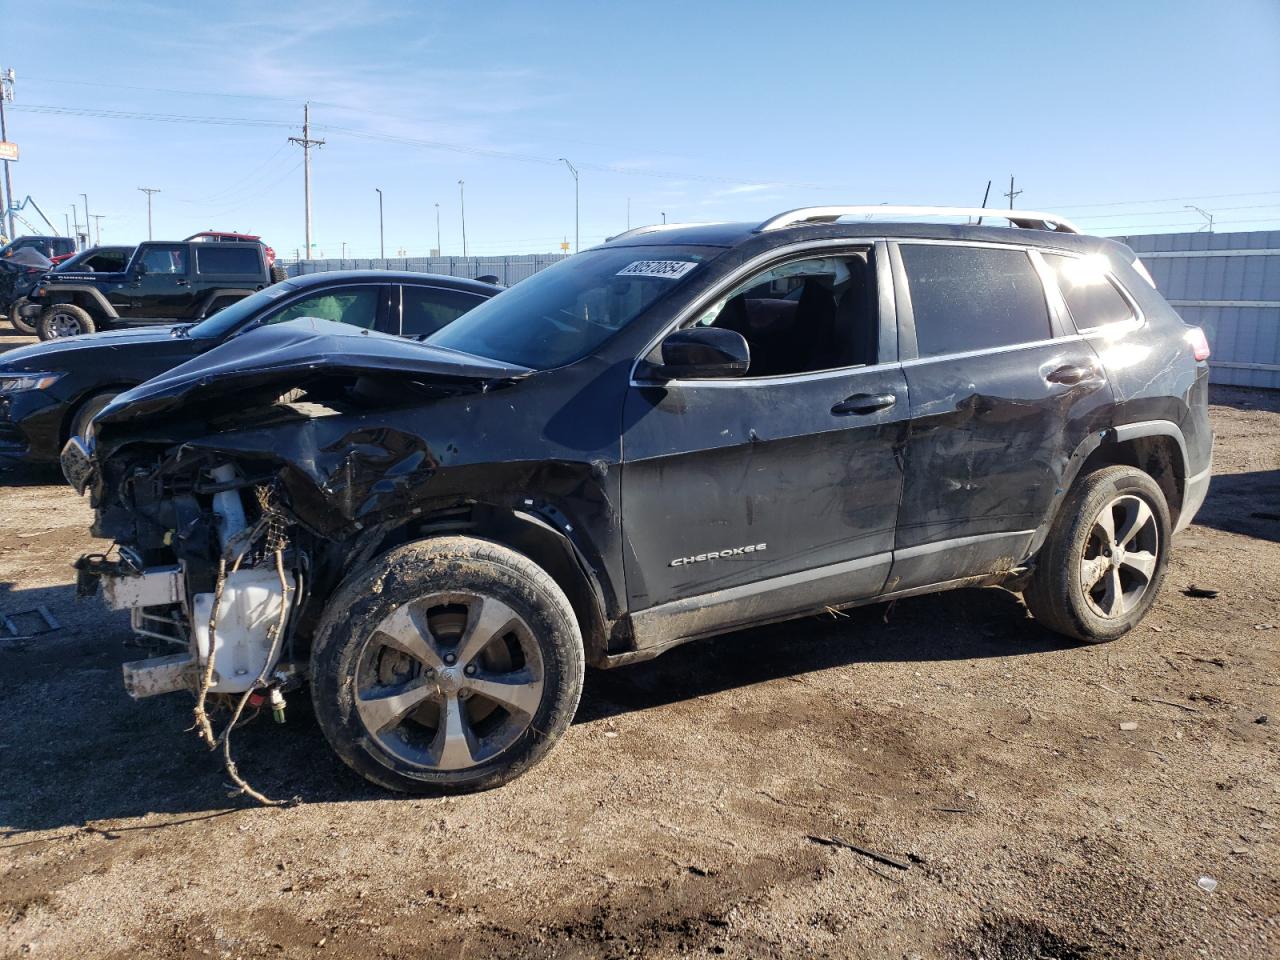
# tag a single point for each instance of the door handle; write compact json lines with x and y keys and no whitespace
{"x":182,"y":283}
{"x":1070,"y":374}
{"x":865,"y":403}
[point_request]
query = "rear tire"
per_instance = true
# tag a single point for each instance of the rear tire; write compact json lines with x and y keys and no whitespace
{"x":278,"y":273}
{"x":1104,"y":560}
{"x":19,"y":322}
{"x":446,"y":665}
{"x":64,"y":320}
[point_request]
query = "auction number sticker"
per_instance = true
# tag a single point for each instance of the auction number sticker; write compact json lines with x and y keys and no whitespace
{"x":667,"y":269}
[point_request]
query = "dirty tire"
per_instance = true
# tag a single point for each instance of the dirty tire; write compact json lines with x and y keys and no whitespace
{"x":80,"y":423}
{"x":20,"y":323}
{"x":64,"y":320}
{"x":278,"y":273}
{"x":360,"y":608}
{"x":1057,"y":595}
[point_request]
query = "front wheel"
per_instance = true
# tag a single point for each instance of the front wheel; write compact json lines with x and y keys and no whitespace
{"x":447,"y":665}
{"x":1105,"y":557}
{"x":64,"y":320}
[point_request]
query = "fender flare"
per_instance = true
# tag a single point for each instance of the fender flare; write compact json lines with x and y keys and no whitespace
{"x":1095,"y":441}
{"x":93,"y":293}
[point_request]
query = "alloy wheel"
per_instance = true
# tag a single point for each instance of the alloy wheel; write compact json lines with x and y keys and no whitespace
{"x":1120,"y":556}
{"x":449,"y":681}
{"x":64,"y":325}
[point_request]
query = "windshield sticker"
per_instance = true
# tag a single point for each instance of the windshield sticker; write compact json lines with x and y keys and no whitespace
{"x":666,"y":269}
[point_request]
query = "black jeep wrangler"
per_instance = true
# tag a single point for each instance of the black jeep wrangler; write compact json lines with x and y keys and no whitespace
{"x":679,"y":433}
{"x":164,"y":282}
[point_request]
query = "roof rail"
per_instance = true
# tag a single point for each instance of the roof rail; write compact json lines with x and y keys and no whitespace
{"x":1030,"y":219}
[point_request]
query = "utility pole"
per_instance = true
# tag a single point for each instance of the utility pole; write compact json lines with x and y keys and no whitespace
{"x":462,"y":197}
{"x":97,"y":217}
{"x":382,"y":243}
{"x":437,"y":229}
{"x":149,"y":191}
{"x":574,"y":171}
{"x":307,"y":143}
{"x":344,"y":250}
{"x":75,"y":223}
{"x":88,"y":235}
{"x":6,"y":93}
{"x":1012,"y":192}
{"x":68,"y":220}
{"x":664,"y":216}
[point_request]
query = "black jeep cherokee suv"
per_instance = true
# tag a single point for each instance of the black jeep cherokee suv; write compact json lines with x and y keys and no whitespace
{"x":163,"y":282}
{"x":679,"y":433}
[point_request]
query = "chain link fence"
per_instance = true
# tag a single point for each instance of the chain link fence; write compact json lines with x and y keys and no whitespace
{"x":508,"y":270}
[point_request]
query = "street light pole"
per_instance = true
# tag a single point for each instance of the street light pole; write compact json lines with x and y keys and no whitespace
{"x":438,"y":249}
{"x":382,"y":243}
{"x":75,"y":224}
{"x":664,"y":216}
{"x":88,"y":238}
{"x":574,"y":171}
{"x":462,"y":198}
{"x":1204,"y":213}
{"x":6,"y":93}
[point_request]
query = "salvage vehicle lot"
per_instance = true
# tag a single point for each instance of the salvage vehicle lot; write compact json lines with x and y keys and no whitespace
{"x":950,"y":733}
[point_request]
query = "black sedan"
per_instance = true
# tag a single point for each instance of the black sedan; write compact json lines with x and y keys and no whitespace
{"x":50,"y":391}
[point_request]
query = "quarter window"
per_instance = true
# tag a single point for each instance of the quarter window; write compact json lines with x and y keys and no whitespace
{"x":973,"y":298}
{"x":227,"y":260}
{"x":1090,"y":293}
{"x":165,"y":259}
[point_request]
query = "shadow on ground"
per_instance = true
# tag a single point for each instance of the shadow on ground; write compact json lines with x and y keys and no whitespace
{"x":1244,"y":503}
{"x":75,"y":749}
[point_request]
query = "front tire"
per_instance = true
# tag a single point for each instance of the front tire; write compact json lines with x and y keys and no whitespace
{"x":82,"y":422}
{"x":446,"y":665}
{"x":1102,"y":564}
{"x":64,"y":320}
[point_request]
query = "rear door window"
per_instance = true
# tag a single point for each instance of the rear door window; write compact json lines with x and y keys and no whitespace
{"x":227,"y":260}
{"x":973,"y":298}
{"x":424,"y":310}
{"x":1089,"y":291}
{"x":357,"y":306}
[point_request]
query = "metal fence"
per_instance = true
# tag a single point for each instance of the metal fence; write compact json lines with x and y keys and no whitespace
{"x":1229,"y":284}
{"x":508,"y":270}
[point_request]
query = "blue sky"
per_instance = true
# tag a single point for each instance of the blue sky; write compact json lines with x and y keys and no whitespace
{"x":704,"y":111}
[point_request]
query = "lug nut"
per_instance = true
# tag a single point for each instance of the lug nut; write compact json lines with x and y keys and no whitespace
{"x":450,"y":658}
{"x":471,"y":670}
{"x":431,"y":674}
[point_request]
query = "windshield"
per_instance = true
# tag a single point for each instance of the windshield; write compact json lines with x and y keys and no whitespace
{"x":228,"y":318}
{"x":565,"y":312}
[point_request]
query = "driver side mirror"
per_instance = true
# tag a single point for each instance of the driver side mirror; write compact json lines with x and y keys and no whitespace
{"x":140,"y":269}
{"x":703,"y":352}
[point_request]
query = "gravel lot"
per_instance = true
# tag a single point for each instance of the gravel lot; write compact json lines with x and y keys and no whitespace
{"x":951,"y":733}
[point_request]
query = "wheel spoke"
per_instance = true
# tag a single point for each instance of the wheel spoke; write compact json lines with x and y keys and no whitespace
{"x":452,"y":743}
{"x":1107,"y":521}
{"x":486,"y":618}
{"x":1135,"y":520}
{"x":1091,"y":572}
{"x":516,"y":691}
{"x":381,"y":712}
{"x":406,"y":630}
{"x":1143,"y":562}
{"x":1113,"y":597}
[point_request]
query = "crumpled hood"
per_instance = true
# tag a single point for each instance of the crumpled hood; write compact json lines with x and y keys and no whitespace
{"x":283,"y":356}
{"x":53,"y":353}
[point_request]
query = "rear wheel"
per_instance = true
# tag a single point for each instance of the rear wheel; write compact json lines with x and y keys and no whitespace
{"x":65,"y":320}
{"x":21,"y":323}
{"x":278,"y":273}
{"x":447,"y":665}
{"x":1105,"y":557}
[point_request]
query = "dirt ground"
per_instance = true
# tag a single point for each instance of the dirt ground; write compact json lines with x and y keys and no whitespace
{"x":951,"y":733}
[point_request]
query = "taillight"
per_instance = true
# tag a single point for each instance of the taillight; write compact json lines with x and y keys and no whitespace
{"x":1199,"y":345}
